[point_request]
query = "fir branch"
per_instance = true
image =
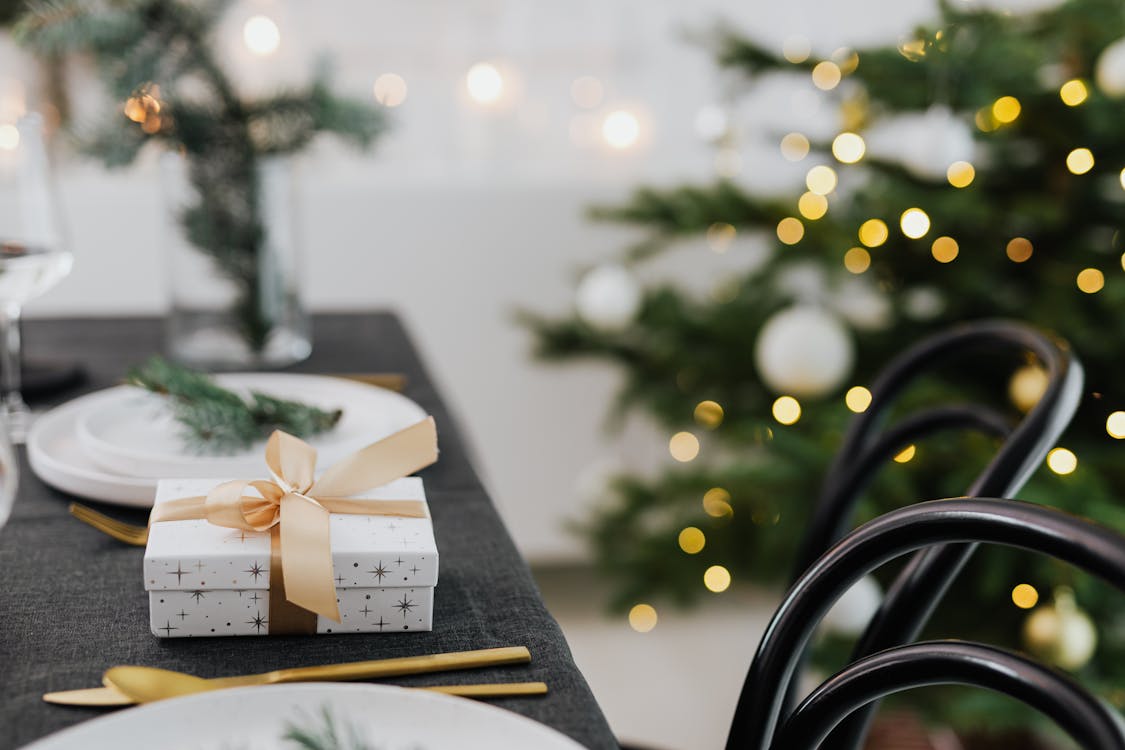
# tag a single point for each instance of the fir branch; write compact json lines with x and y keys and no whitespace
{"x":327,"y":735}
{"x":218,"y":420}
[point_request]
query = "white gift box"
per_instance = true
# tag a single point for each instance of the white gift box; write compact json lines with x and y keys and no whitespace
{"x":207,"y":580}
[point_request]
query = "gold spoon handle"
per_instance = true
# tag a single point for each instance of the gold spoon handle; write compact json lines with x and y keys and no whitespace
{"x":364,"y":670}
{"x":491,"y":689}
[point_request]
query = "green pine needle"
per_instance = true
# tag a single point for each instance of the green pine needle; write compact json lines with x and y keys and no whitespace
{"x":217,"y":420}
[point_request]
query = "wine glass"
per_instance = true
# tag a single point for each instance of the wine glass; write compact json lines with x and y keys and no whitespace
{"x":33,"y":257}
{"x":9,"y":475}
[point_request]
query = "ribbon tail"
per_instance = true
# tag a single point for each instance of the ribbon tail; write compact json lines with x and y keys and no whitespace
{"x":395,"y":456}
{"x":306,"y":559}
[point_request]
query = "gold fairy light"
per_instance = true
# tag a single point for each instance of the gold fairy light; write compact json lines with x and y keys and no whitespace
{"x":1080,"y":160}
{"x":1090,"y":280}
{"x":708,"y":414}
{"x":985,"y":120}
{"x":912,"y":49}
{"x":858,"y":399}
{"x":960,"y":174}
{"x":720,"y":235}
{"x":906,"y":454}
{"x":944,"y":249}
{"x":261,"y":35}
{"x":794,"y":147}
{"x":1062,"y":461}
{"x":1019,"y":249}
{"x":812,"y":206}
{"x":847,"y":59}
{"x":1025,"y":596}
{"x":826,"y":75}
{"x":1115,"y":425}
{"x":821,"y":180}
{"x":692,"y":540}
{"x":787,"y":410}
{"x":1006,"y":109}
{"x":716,"y":503}
{"x":683,"y":446}
{"x":873,"y":232}
{"x":484,"y":83}
{"x":642,"y":618}
{"x":857,"y":260}
{"x":790,"y":230}
{"x":796,"y":49}
{"x":1073,"y":92}
{"x":390,"y":90}
{"x":915,"y":223}
{"x":716,"y":579}
{"x":848,"y":147}
{"x":1121,"y":177}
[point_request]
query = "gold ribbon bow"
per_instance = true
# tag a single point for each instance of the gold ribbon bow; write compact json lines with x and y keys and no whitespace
{"x":296,"y":508}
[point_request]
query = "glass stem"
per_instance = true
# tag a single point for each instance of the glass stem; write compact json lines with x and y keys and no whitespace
{"x":15,"y":409}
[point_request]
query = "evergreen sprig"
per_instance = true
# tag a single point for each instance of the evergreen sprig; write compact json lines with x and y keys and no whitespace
{"x":219,"y":420}
{"x":326,"y":735}
{"x":157,"y":56}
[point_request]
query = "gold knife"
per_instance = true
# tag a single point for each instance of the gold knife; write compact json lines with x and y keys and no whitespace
{"x":107,"y":696}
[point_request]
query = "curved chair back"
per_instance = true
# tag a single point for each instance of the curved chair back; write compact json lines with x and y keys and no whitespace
{"x":933,"y":524}
{"x":868,"y":443}
{"x":1089,"y":721}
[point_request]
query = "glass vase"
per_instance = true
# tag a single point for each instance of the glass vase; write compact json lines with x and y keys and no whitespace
{"x":233,"y":262}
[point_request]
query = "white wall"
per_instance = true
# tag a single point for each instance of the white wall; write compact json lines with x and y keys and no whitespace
{"x":466,"y":212}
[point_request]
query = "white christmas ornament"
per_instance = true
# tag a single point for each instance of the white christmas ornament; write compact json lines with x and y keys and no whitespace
{"x":852,"y":611}
{"x":925,"y":143}
{"x":608,"y":298}
{"x":862,"y":304}
{"x":1110,"y":70}
{"x":803,"y":351}
{"x":1061,"y":633}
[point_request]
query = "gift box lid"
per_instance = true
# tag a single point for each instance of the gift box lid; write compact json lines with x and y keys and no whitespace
{"x":367,"y":551}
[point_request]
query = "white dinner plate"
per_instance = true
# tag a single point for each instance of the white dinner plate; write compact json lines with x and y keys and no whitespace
{"x":113,"y":445}
{"x":57,"y":458}
{"x":135,"y":434}
{"x":256,"y":718}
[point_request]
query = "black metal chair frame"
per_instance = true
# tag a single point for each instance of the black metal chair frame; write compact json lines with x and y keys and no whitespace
{"x":868,"y":444}
{"x":935,"y":524}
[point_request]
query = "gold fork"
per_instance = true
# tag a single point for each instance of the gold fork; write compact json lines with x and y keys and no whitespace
{"x":119,"y":530}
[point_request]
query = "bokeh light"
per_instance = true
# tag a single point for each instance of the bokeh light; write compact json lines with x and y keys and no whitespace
{"x":945,"y":249}
{"x":857,"y":260}
{"x":915,"y":223}
{"x":1080,"y":160}
{"x":1025,"y":596}
{"x":621,"y":129}
{"x":390,"y":90}
{"x":1073,"y":92}
{"x":484,"y":83}
{"x":1019,"y":249}
{"x":261,"y":35}
{"x":794,"y":146}
{"x":848,"y":147}
{"x":821,"y":180}
{"x":873,"y":232}
{"x":812,"y":206}
{"x":787,"y":410}
{"x":790,"y":230}
{"x":683,"y":446}
{"x":716,"y":579}
{"x":642,"y":618}
{"x":858,"y":398}
{"x":960,"y":174}
{"x":692,"y":540}
{"x":1062,"y":461}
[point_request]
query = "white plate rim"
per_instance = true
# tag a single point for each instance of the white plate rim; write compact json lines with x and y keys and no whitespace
{"x":109,"y":455}
{"x":45,"y":465}
{"x":72,"y":737}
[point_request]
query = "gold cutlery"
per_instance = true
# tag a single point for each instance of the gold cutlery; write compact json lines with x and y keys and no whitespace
{"x":143,"y":684}
{"x":119,"y":530}
{"x":106,"y":696}
{"x":392,"y":381}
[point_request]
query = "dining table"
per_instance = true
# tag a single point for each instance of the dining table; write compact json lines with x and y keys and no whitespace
{"x":73,"y":603}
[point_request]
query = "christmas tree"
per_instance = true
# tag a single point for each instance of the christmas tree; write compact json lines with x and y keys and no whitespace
{"x":1008,"y":202}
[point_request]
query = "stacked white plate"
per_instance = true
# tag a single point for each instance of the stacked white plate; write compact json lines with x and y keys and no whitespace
{"x":113,"y":445}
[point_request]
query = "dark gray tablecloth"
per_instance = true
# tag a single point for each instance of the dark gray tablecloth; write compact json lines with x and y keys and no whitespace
{"x":72,"y":601}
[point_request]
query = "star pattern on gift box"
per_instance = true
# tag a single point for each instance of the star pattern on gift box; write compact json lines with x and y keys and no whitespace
{"x":258,"y":622}
{"x":179,"y":572}
{"x":256,"y":570}
{"x":378,"y":571}
{"x":405,"y":605}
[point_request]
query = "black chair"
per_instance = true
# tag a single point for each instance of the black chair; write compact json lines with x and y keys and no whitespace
{"x":924,"y":526}
{"x":869,"y":443}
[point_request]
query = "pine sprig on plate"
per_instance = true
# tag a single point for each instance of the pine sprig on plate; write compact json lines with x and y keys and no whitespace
{"x":327,"y":736}
{"x":218,"y":420}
